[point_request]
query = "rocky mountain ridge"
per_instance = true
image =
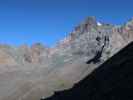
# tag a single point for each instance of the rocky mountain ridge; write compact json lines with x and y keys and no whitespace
{"x":85,"y":40}
{"x":27,"y":73}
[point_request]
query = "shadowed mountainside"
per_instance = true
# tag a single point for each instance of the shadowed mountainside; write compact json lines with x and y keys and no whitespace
{"x":113,"y":80}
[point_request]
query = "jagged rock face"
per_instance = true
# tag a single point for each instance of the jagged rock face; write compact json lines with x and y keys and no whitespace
{"x":35,"y":54}
{"x":127,"y":31}
{"x":91,"y":36}
{"x":84,"y":27}
{"x":83,"y":42}
{"x":6,"y":59}
{"x":25,"y":54}
{"x":38,"y":51}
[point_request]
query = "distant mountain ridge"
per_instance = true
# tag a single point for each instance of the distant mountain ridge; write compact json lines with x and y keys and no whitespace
{"x":89,"y":34}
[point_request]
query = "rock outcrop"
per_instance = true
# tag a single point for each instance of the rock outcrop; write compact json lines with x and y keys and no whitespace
{"x":90,"y":37}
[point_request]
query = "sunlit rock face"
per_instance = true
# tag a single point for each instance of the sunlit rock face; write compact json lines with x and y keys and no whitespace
{"x":6,"y":59}
{"x":127,"y":31}
{"x":91,"y":36}
{"x":38,"y":52}
{"x":29,"y":73}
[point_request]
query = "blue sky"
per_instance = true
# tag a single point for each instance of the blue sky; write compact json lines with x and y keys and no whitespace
{"x":47,"y":21}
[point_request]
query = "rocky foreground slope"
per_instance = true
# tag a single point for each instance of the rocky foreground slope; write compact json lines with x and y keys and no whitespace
{"x":113,"y":80}
{"x":28,"y":73}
